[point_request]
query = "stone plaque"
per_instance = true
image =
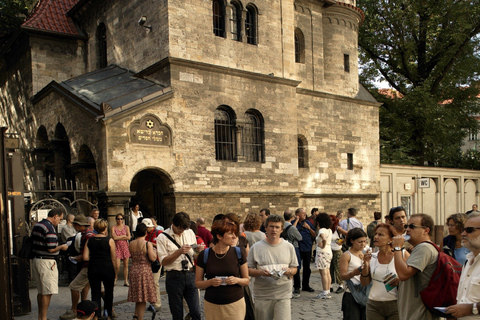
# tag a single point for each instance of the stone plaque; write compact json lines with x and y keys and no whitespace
{"x":149,"y":130}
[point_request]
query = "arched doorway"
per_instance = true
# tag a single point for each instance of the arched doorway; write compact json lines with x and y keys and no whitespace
{"x":155,"y":195}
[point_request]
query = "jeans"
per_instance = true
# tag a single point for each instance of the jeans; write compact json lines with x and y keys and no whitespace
{"x":181,"y":285}
{"x":96,"y":276}
{"x":305,"y":259}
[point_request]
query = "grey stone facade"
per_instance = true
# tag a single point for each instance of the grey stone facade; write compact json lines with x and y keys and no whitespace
{"x":196,"y":72}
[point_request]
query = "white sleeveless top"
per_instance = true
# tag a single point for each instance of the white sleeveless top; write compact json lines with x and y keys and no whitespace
{"x":377,"y":271}
{"x":354,"y":263}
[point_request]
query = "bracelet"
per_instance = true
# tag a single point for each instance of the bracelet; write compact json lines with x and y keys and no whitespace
{"x":368,"y":275}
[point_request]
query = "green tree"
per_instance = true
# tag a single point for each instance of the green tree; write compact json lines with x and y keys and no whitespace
{"x":428,"y":51}
{"x":12,"y":14}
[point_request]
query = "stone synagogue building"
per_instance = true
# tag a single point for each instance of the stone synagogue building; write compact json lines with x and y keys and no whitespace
{"x":203,"y":106}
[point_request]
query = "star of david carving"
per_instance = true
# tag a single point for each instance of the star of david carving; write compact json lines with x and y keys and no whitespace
{"x":149,"y":124}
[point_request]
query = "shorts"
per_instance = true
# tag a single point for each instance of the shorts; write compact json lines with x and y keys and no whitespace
{"x":323,"y":260}
{"x":80,"y":281}
{"x":45,"y":272}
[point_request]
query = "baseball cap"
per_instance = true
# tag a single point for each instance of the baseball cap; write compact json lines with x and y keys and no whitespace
{"x":148,"y":222}
{"x":86,"y":308}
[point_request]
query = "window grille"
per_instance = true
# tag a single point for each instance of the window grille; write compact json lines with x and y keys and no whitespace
{"x":250,"y":26}
{"x":302,"y":152}
{"x":224,"y":136}
{"x":218,"y":18}
{"x":236,"y":21}
{"x":253,"y":138}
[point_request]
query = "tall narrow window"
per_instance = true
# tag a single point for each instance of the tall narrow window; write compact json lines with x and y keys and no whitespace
{"x":252,"y":139}
{"x":251,"y":25}
{"x":302,"y":152}
{"x":350,"y":161}
{"x":218,"y":18}
{"x":299,"y":46}
{"x":236,"y":21}
{"x":346,"y":63}
{"x":102,"y":45}
{"x":224,"y":134}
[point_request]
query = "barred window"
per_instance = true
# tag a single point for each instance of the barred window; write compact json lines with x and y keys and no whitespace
{"x":251,"y":25}
{"x":252,"y":142}
{"x":218,"y":18}
{"x":302,"y":152}
{"x":102,"y":45}
{"x":224,"y":134}
{"x":236,"y":21}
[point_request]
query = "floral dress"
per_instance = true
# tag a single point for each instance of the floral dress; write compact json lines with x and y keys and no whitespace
{"x":142,"y":287}
{"x":121,"y":246}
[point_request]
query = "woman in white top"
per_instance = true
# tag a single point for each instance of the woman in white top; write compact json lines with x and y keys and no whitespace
{"x":134,"y":215}
{"x":323,"y":256}
{"x":351,"y":263}
{"x":379,"y":269}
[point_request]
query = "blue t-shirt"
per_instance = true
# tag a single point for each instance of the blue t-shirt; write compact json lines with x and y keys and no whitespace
{"x":306,"y":243}
{"x":461,"y":255}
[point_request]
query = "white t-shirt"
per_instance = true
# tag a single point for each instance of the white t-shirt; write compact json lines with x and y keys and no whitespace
{"x":334,"y":245}
{"x":135,"y":219}
{"x":328,"y":236}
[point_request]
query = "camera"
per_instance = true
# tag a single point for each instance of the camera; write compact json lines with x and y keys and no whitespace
{"x":184,"y":265}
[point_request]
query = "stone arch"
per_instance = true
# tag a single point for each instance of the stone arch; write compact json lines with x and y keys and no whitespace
{"x":154,"y":192}
{"x":61,"y":151}
{"x":470,"y":189}
{"x":451,"y":201}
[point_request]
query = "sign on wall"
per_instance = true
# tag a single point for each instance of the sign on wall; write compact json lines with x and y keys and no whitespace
{"x":424,"y":183}
{"x":149,"y":130}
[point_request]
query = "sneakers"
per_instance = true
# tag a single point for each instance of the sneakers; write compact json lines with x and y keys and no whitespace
{"x":340,"y":290}
{"x":296,"y":294}
{"x":323,"y":296}
{"x":69,"y":314}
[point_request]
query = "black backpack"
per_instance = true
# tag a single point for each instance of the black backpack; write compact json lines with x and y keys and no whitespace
{"x":284,"y":234}
{"x":26,"y":251}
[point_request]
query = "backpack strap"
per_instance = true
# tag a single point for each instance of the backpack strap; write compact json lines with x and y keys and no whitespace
{"x":239,"y":254}
{"x":205,"y":257}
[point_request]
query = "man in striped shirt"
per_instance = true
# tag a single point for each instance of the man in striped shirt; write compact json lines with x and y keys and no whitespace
{"x":46,"y":248}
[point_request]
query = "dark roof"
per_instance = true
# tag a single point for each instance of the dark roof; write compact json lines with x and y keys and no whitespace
{"x":107,"y":91}
{"x":50,"y":16}
{"x":363,"y":94}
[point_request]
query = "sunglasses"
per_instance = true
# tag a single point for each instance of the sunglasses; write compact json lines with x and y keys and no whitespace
{"x":119,"y":218}
{"x":470,"y":229}
{"x":413,"y":226}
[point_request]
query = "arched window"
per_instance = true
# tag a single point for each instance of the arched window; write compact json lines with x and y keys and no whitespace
{"x":219,"y":18}
{"x":102,"y":45}
{"x":253,"y":137}
{"x":299,"y":46}
{"x":302,"y":152}
{"x":251,"y":25}
{"x":224,"y":134}
{"x":236,"y":21}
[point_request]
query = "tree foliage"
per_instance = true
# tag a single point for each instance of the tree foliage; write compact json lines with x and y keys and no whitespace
{"x":12,"y":14}
{"x":428,"y":51}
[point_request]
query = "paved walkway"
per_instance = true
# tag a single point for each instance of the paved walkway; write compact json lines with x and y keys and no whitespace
{"x":304,"y":308}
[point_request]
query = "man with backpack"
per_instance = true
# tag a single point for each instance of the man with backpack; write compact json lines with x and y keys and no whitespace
{"x":292,"y":235}
{"x":415,"y":273}
{"x":80,"y":284}
{"x":468,"y":295}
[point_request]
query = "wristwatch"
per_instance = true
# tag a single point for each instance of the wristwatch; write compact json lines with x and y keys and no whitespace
{"x":474,"y":309}
{"x":397,"y":249}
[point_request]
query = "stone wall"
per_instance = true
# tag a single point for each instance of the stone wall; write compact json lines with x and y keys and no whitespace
{"x":54,"y":59}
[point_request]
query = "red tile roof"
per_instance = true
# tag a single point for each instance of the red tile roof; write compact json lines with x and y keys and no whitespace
{"x":51,"y":16}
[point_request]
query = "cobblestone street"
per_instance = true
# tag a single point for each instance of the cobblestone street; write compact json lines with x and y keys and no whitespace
{"x":303,"y":308}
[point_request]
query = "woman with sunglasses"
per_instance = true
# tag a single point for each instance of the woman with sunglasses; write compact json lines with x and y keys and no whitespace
{"x":121,"y":235}
{"x":452,"y":244}
{"x":379,"y":270}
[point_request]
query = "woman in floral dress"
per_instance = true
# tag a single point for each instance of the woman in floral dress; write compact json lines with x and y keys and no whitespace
{"x":121,"y":234}
{"x":142,"y":288}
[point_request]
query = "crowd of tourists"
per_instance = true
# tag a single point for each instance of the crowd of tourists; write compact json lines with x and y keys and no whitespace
{"x":251,"y":269}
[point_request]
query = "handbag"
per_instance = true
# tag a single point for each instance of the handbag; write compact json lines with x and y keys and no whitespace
{"x":155,"y":263}
{"x":360,"y":293}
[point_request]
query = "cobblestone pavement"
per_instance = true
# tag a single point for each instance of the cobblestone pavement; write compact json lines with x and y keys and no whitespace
{"x":304,"y":308}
